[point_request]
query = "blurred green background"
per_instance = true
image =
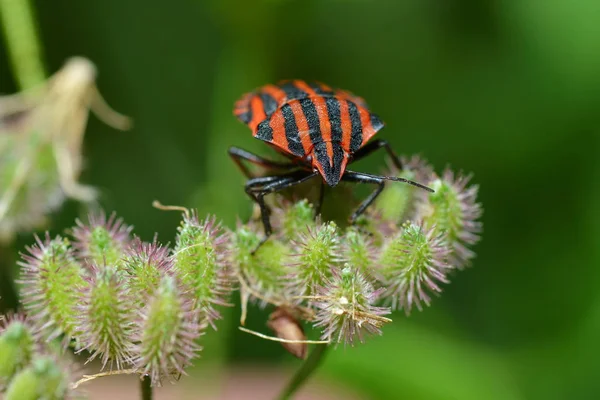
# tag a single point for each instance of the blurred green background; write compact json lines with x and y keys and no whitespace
{"x":507,"y":89}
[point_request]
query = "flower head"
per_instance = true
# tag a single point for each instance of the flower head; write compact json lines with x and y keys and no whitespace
{"x":106,"y":319}
{"x":51,"y":279}
{"x":317,"y":252}
{"x":17,"y":345}
{"x":412,"y":265}
{"x":103,"y":241}
{"x":167,"y":333}
{"x":346,"y":309}
{"x":200,"y":260}
{"x":453,"y":210}
{"x":144,"y":265}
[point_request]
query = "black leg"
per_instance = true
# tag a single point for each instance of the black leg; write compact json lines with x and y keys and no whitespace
{"x":238,"y":155}
{"x":350,"y":176}
{"x":319,"y":204}
{"x":376,"y":145}
{"x":258,"y":188}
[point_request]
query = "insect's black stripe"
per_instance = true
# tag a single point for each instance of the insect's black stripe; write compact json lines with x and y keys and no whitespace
{"x":292,"y":92}
{"x":269,"y":104}
{"x":376,"y":122}
{"x":335,"y":118}
{"x":291,"y":131}
{"x":312,"y":118}
{"x":245,"y":116}
{"x":264,"y":131}
{"x":356,"y":137}
{"x":319,"y":90}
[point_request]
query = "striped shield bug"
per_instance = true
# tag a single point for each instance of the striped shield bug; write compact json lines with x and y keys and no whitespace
{"x":320,"y":130}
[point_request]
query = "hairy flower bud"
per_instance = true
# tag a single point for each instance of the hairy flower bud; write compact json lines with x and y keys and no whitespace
{"x":346,"y":309}
{"x":51,"y":279}
{"x":103,"y":241}
{"x":453,"y":211}
{"x":264,"y":270}
{"x":200,"y":262}
{"x":317,"y":251}
{"x":397,"y":202}
{"x":107,"y":315}
{"x":412,"y":264}
{"x":44,"y":379}
{"x":295,"y":218}
{"x":167,"y":333}
{"x":358,"y":250}
{"x":16,"y":346}
{"x":144,"y":265}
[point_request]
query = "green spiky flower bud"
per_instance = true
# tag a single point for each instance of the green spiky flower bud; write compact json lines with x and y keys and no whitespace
{"x":265,"y":270}
{"x":144,"y":266}
{"x":413,"y":263}
{"x":51,"y":279}
{"x":16,"y":346}
{"x":295,"y":218}
{"x":398,"y":201}
{"x":43,"y":379}
{"x":453,"y":211}
{"x":317,"y":252}
{"x":103,"y":241}
{"x":346,"y":309}
{"x":358,"y":250}
{"x":168,"y":329}
{"x":200,"y":261}
{"x":107,"y":315}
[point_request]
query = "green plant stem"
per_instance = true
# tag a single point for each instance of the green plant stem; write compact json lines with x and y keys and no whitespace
{"x":146,"y":388}
{"x":306,"y":370}
{"x":22,"y":41}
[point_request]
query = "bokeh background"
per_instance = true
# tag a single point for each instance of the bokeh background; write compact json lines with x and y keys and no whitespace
{"x":507,"y":89}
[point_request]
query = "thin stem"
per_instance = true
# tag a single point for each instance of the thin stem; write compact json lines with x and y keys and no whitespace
{"x":145,"y":386}
{"x":22,"y":42}
{"x":306,"y":370}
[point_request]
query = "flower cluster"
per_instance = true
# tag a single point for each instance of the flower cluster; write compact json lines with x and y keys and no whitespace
{"x":345,"y":279}
{"x":143,"y":306}
{"x":132,"y":304}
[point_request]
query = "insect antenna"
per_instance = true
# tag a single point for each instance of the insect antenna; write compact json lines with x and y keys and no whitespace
{"x":392,"y":178}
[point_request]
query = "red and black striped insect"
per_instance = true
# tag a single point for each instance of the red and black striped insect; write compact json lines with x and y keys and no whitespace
{"x":320,"y":129}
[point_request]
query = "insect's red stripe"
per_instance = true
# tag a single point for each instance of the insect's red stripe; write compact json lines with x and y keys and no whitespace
{"x":365,"y":121}
{"x":275,"y":92}
{"x":302,"y":124}
{"x":258,"y":112}
{"x":277,"y":124}
{"x":346,"y":125}
{"x":319,"y":102}
{"x":324,"y":87}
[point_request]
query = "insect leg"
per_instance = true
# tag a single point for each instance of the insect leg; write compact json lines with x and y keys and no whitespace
{"x":320,"y":201}
{"x":376,"y":145}
{"x":351,"y":176}
{"x":238,"y":155}
{"x":258,"y":188}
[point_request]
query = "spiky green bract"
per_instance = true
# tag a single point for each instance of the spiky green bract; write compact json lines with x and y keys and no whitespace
{"x":397,"y":202}
{"x":264,"y":270}
{"x":17,"y":345}
{"x":412,"y":265}
{"x":358,"y":250}
{"x":44,"y":379}
{"x":143,"y":266}
{"x":200,"y":262}
{"x":317,"y":251}
{"x":295,"y":218}
{"x":346,"y":309}
{"x":106,"y":318}
{"x":168,"y":329}
{"x":453,"y":210}
{"x":51,"y":279}
{"x":102,"y":241}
